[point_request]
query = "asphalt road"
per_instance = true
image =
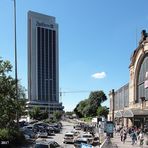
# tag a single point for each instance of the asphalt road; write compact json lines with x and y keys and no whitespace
{"x":67,"y":127}
{"x":58,"y":137}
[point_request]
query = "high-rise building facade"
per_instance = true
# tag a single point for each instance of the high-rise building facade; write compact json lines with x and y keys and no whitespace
{"x":43,"y":62}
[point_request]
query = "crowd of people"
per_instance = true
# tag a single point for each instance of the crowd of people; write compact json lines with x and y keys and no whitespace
{"x":136,"y":134}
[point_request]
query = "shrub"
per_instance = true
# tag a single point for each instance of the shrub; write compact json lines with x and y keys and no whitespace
{"x":4,"y":134}
{"x":14,"y":136}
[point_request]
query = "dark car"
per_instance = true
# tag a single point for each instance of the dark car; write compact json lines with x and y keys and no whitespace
{"x":96,"y":141}
{"x":56,"y":129}
{"x":42,"y":127}
{"x":28,"y":132}
{"x":77,"y":127}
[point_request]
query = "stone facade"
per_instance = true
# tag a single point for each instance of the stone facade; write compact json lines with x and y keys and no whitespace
{"x":136,"y":60}
{"x":137,"y":95}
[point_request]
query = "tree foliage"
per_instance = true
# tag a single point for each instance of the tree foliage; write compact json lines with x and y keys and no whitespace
{"x":102,"y":111}
{"x":57,"y":115}
{"x":69,"y":113}
{"x":37,"y":114}
{"x":88,"y":107}
{"x":9,"y":106}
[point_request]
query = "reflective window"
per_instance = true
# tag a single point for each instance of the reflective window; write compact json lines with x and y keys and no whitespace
{"x":141,"y":90}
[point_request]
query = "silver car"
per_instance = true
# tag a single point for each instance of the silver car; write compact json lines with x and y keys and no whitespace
{"x":68,"y":138}
{"x":47,"y":144}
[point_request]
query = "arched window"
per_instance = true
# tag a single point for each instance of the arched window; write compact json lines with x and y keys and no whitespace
{"x":141,"y":90}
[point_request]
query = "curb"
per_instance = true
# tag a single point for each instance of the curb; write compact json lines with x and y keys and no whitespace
{"x":103,"y":143}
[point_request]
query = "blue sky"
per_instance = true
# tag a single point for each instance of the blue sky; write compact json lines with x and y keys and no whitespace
{"x":96,"y":40}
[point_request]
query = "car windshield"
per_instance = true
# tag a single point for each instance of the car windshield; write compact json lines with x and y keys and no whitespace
{"x":87,"y":136}
{"x":41,"y":146}
{"x":79,"y":142}
{"x":68,"y":135}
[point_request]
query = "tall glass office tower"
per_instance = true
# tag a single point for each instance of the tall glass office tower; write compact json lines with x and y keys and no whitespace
{"x":43,"y":62}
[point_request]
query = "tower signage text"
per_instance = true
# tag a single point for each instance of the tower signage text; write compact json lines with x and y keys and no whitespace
{"x":41,"y":24}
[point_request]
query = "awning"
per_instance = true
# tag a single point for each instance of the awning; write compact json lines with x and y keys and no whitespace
{"x":134,"y":112}
{"x":119,"y":114}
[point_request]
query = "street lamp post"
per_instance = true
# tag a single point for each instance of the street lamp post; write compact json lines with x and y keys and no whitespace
{"x":15,"y":46}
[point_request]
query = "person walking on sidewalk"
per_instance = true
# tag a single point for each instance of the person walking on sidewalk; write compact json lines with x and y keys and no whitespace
{"x":141,"y":138}
{"x":133,"y":135}
{"x":124,"y":136}
{"x":121,"y":134}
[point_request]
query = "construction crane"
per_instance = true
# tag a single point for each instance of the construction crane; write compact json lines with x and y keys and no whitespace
{"x":74,"y":91}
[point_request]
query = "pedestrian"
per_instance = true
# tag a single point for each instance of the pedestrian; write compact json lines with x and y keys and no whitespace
{"x":141,"y":138}
{"x":133,"y":136}
{"x":124,"y":136}
{"x":117,"y":129}
{"x":121,"y":134}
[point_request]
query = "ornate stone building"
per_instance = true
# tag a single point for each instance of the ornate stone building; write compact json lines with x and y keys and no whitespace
{"x":129,"y":104}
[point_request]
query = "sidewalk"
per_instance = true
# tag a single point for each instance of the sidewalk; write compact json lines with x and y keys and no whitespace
{"x":116,"y":141}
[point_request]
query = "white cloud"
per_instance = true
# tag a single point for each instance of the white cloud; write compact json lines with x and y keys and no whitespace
{"x":99,"y":75}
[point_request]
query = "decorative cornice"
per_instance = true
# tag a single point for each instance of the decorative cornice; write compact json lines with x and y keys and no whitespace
{"x":143,"y":40}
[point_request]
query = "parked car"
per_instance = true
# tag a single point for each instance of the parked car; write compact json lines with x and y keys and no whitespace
{"x":78,"y":142}
{"x":75,"y":132}
{"x":68,"y":138}
{"x":96,"y":141}
{"x":42,"y":134}
{"x":27,"y":137}
{"x":46,"y":144}
{"x":43,"y":126}
{"x":55,"y":129}
{"x":28,"y":132}
{"x":77,"y":127}
{"x":50,"y":130}
{"x":28,"y":127}
{"x":89,"y":137}
{"x":23,"y":123}
{"x":60,"y":124}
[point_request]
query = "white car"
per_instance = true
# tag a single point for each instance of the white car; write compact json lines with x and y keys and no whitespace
{"x":68,"y":138}
{"x":75,"y":132}
{"x":89,"y":137}
{"x":77,"y":127}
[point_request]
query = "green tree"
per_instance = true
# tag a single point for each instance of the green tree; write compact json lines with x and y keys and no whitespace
{"x":69,"y":113}
{"x":35,"y":113}
{"x":44,"y":114}
{"x":79,"y":109}
{"x":95,"y":100}
{"x":57,"y":115}
{"x":9,"y":105}
{"x":88,"y":107}
{"x":102,"y":111}
{"x":79,"y":114}
{"x":97,"y":97}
